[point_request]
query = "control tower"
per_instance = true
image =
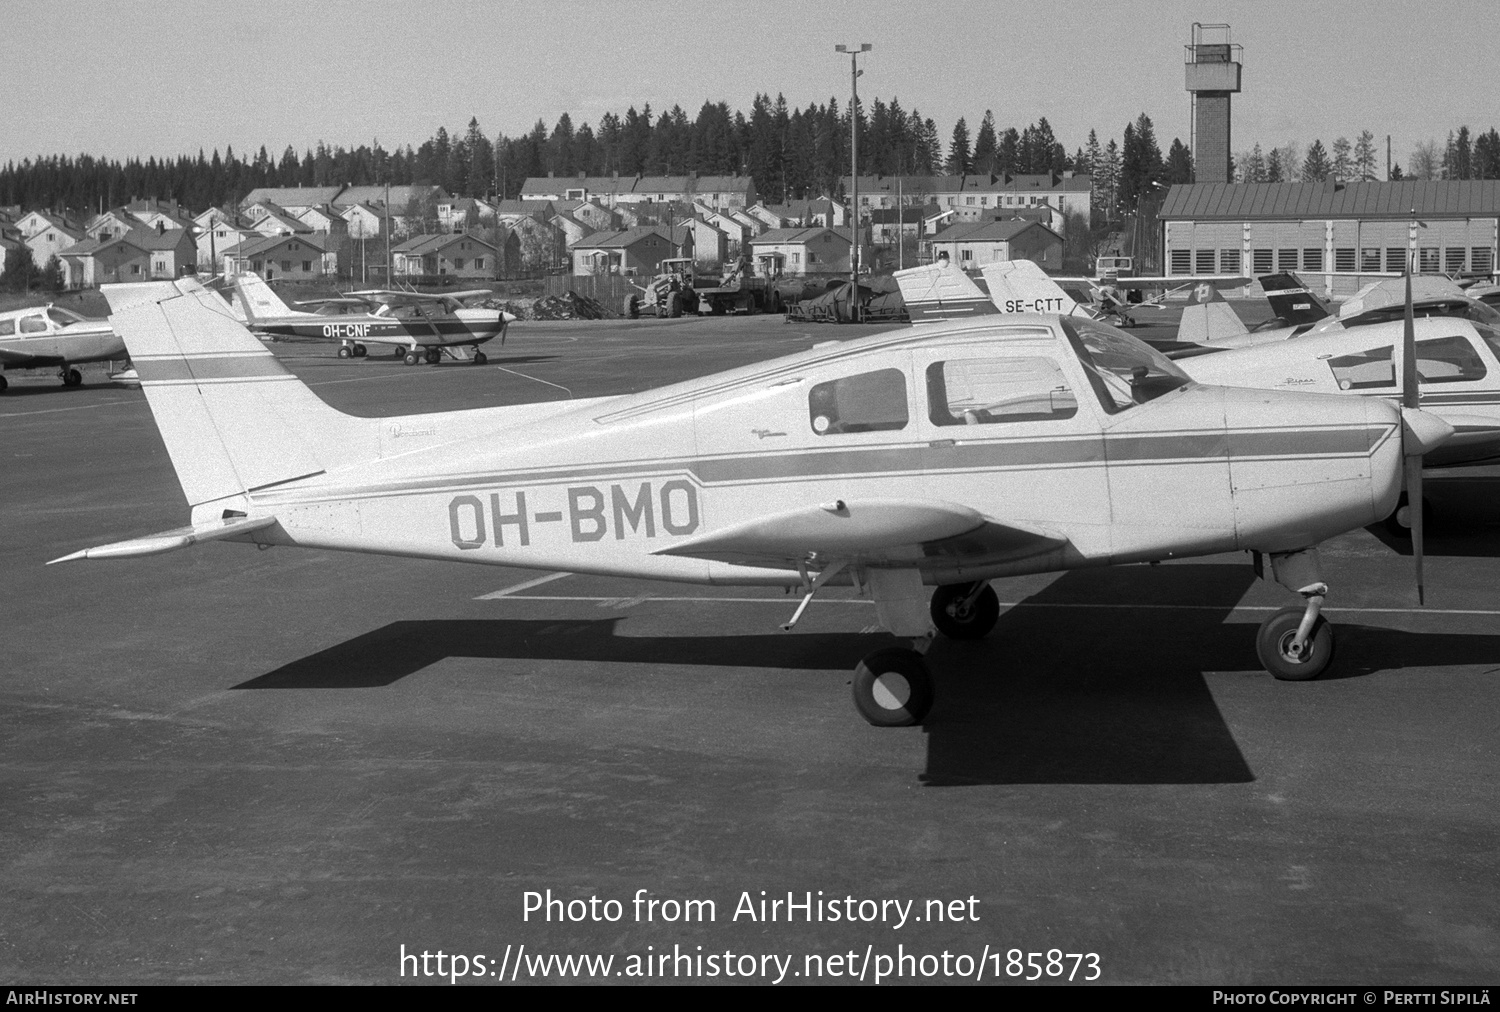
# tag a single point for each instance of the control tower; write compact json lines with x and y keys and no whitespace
{"x":1213,"y":74}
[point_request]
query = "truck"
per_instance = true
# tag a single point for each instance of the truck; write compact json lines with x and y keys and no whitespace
{"x":679,"y":288}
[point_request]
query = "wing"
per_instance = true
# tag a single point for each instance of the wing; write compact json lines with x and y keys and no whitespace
{"x":1224,"y":280}
{"x":13,"y":359}
{"x":871,"y":532}
{"x":346,"y":300}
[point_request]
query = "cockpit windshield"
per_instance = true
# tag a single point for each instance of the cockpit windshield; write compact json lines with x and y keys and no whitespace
{"x":63,"y":317}
{"x":1123,"y":371}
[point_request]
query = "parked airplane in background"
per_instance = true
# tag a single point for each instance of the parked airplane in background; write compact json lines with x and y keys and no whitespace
{"x":46,"y":337}
{"x":940,"y":456}
{"x":1021,"y":286}
{"x":1208,"y":320}
{"x":419,"y":326}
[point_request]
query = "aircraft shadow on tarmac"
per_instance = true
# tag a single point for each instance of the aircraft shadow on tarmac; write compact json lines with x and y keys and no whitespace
{"x":1107,"y":693}
{"x":1463,"y":519}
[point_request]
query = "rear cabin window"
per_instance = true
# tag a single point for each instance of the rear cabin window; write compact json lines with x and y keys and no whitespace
{"x":866,"y":402}
{"x":33,"y":325}
{"x":991,"y":390}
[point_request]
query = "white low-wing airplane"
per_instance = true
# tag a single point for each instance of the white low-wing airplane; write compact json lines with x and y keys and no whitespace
{"x":417,"y":325}
{"x":47,"y":337}
{"x":940,"y":456}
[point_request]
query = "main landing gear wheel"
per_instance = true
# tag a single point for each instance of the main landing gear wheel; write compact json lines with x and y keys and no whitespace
{"x":892,"y":688}
{"x":345,"y":351}
{"x":1275,"y":647}
{"x":434,"y":356}
{"x":4,"y":383}
{"x":959,"y":620}
{"x":360,"y":351}
{"x":479,"y":358}
{"x":72,"y":378}
{"x":400,"y":352}
{"x":412,"y":358}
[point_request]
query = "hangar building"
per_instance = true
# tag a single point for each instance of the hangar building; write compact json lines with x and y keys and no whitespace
{"x":1335,"y":235}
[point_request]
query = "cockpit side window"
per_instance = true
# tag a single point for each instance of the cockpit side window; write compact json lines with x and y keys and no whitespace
{"x":865,"y":402}
{"x":1364,"y":370}
{"x":1123,"y":371}
{"x":1448,"y":360}
{"x":990,"y":390}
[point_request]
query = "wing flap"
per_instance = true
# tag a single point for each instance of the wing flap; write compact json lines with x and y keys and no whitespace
{"x":874,"y":531}
{"x":170,"y":541}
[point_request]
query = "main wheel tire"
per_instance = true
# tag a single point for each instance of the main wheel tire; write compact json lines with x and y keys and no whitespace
{"x":632,"y":307}
{"x":434,"y":356}
{"x":674,"y":305}
{"x":400,"y":352}
{"x":412,"y":358}
{"x":360,"y":351}
{"x":892,"y":688}
{"x":964,"y":623}
{"x":1273,"y":645}
{"x":72,"y":378}
{"x":345,"y":351}
{"x":4,"y":383}
{"x":479,"y":358}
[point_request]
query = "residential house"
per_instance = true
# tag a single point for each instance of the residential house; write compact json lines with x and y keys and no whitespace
{"x":173,"y":251}
{"x":543,"y":243}
{"x":632,"y":251}
{"x":974,"y":244}
{"x":797,"y":251}
{"x":710,"y":245}
{"x":8,"y":248}
{"x":94,"y":262}
{"x":508,"y":212}
{"x":365,"y":221}
{"x":464,"y":214}
{"x":280,"y":223}
{"x":204,"y":219}
{"x":47,"y":235}
{"x":323,"y":220}
{"x":447,"y":254}
{"x":572,"y":229}
{"x":222,"y":235}
{"x":110,"y":224}
{"x":888,"y":225}
{"x":398,"y":197}
{"x":302,"y":257}
{"x":970,"y":196}
{"x":598,"y":218}
{"x":611,"y":191}
{"x":294,"y":198}
{"x":159,"y":214}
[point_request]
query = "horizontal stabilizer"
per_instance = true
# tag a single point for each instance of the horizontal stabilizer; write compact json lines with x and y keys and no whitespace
{"x":170,"y":541}
{"x":941,"y":291}
{"x":874,"y":531}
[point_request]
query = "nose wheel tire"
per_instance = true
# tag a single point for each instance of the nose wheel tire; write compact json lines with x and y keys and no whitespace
{"x":958,"y":621}
{"x":412,"y":358}
{"x":345,"y":351}
{"x":479,"y":358}
{"x":72,"y":378}
{"x":1398,"y":524}
{"x":892,"y":688}
{"x":1275,"y":648}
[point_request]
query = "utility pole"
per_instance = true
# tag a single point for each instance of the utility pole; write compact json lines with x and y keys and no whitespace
{"x":854,"y":72}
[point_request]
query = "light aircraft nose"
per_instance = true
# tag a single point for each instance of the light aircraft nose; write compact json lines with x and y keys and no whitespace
{"x":491,"y":320}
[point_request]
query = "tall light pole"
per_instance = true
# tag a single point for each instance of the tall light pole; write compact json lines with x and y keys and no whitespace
{"x":854,"y":72}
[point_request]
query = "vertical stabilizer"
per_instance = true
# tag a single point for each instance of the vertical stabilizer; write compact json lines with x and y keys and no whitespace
{"x":1021,"y":286}
{"x":1208,"y":318}
{"x":1292,"y":301}
{"x":259,"y":301}
{"x":232,"y":418}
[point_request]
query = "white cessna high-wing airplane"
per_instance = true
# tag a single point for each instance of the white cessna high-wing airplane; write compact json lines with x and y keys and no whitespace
{"x":917,"y":465}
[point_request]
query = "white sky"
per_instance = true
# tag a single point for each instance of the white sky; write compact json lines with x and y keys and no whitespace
{"x":163,"y":77}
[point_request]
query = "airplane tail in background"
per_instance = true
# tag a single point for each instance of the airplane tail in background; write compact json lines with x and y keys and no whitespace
{"x":259,"y":301}
{"x":1021,"y":286}
{"x":232,"y":418}
{"x":1292,"y":301}
{"x":1208,"y":318}
{"x":941,"y":291}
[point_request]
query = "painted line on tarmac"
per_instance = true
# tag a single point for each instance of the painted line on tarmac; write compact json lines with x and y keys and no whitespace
{"x":508,"y":591}
{"x":78,"y":407}
{"x":513,"y":595}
